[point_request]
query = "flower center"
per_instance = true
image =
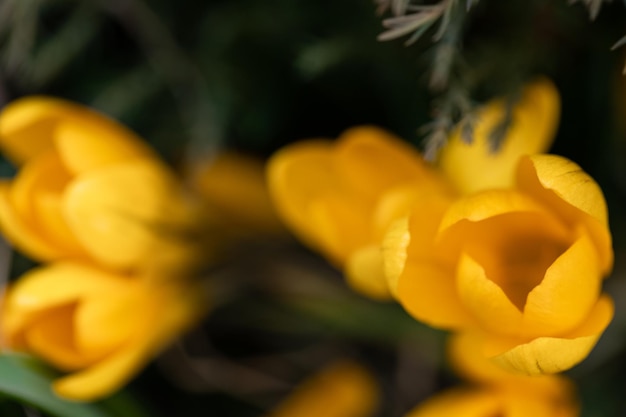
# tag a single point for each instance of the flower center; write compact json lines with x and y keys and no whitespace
{"x":516,"y":249}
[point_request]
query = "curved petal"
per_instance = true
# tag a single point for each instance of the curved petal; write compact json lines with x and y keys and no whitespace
{"x":34,"y":192}
{"x":460,"y":402}
{"x":473,"y":167}
{"x":29,"y":127}
{"x":51,"y":337}
{"x":52,"y":286}
{"x":364,"y":273}
{"x":93,"y":142}
{"x":22,"y":233}
{"x":566,"y":294}
{"x":563,"y":186}
{"x":485,"y":299}
{"x":127,"y":212}
{"x":298,"y":175}
{"x":340,"y":390}
{"x":372,"y":161}
{"x":428,"y":293}
{"x":394,"y":252}
{"x":486,"y":204}
{"x":496,"y":215}
{"x":172,"y":311}
{"x":104,"y":321}
{"x":545,"y":355}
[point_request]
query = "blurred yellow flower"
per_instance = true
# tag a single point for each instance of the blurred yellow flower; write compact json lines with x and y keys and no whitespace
{"x":90,"y":189}
{"x":343,"y":389}
{"x":520,"y":258}
{"x":233,"y":186}
{"x":495,"y":392}
{"x":340,"y":197}
{"x":100,"y":327}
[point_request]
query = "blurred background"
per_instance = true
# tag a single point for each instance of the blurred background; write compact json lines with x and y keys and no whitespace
{"x":197,"y":76}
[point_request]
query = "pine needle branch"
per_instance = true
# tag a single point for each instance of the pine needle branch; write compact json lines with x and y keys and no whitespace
{"x":593,"y":6}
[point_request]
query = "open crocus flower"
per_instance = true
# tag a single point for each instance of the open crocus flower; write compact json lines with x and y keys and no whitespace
{"x":342,"y":389}
{"x":340,"y":197}
{"x":496,"y":392}
{"x":100,"y":327}
{"x":89,"y":189}
{"x":520,"y":260}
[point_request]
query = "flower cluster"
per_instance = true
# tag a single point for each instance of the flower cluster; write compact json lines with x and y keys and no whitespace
{"x":508,"y":246}
{"x":120,"y":236}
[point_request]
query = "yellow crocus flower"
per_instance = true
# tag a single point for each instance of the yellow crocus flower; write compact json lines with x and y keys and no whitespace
{"x":342,"y":389}
{"x":98,"y":326}
{"x":340,"y":197}
{"x":519,"y":258}
{"x":89,"y":189}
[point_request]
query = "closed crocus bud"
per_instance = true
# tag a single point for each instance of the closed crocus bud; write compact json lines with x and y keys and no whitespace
{"x":342,"y":389}
{"x":99,"y":327}
{"x":87,"y":188}
{"x":492,"y":391}
{"x":340,"y":197}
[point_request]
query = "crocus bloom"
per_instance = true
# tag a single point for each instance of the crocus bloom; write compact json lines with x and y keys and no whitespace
{"x":233,"y":186}
{"x":519,"y":259}
{"x":340,"y":197}
{"x":99,"y":327}
{"x":342,"y":389}
{"x":89,"y":189}
{"x":494,"y":392}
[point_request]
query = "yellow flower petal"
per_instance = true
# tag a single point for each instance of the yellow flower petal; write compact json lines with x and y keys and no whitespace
{"x":125,"y":213}
{"x":93,"y":142}
{"x":552,"y":354}
{"x":29,"y":127}
{"x":428,"y":293}
{"x":485,"y":299}
{"x":298,"y":175}
{"x":459,"y":402}
{"x":26,"y":126}
{"x":32,"y":194}
{"x":555,"y":180}
{"x":343,"y":389}
{"x":104,"y":321}
{"x":567,"y":293}
{"x":413,"y":236}
{"x":364,"y":273}
{"x":394,"y":251}
{"x":21,"y":233}
{"x":486,"y":204}
{"x":494,"y":219}
{"x":372,"y":161}
{"x":473,"y":167}
{"x":51,"y":337}
{"x":49,"y":287}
